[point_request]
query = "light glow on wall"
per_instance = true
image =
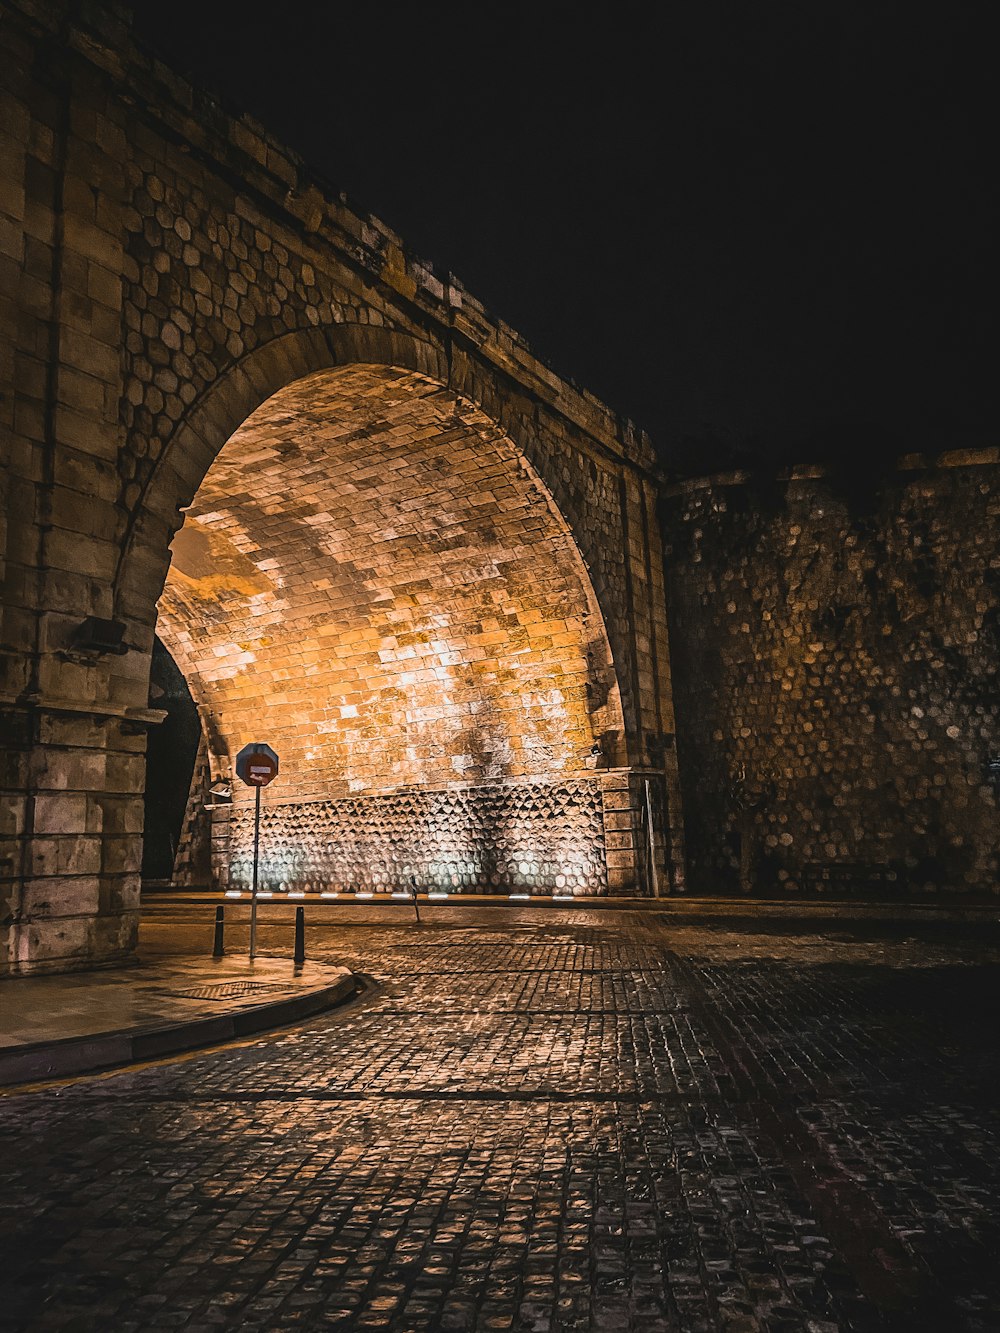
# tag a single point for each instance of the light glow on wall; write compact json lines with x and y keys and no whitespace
{"x":534,"y":838}
{"x":372,"y":572}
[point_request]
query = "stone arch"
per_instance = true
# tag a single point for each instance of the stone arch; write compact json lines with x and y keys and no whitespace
{"x":240,"y":390}
{"x":220,"y":411}
{"x":581,"y":688}
{"x":203,"y":269}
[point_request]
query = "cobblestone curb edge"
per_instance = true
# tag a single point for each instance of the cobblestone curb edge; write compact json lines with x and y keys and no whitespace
{"x":80,"y":1055}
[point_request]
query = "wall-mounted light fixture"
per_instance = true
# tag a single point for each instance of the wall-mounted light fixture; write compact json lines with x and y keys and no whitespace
{"x":596,"y":757}
{"x":221,"y":794}
{"x":99,"y":636}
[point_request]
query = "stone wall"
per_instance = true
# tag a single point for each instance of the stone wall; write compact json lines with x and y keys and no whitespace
{"x":836,"y":666}
{"x":533,"y":837}
{"x":166,"y":268}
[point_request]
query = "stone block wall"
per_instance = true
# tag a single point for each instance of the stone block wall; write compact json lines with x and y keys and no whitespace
{"x":522,"y":838}
{"x":72,"y":728}
{"x":836,"y":670}
{"x":166,"y":267}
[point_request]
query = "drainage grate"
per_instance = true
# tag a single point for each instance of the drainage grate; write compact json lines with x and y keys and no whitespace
{"x":227,"y":990}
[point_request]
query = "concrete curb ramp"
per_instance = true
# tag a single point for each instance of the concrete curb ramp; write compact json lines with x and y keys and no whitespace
{"x":23,"y":1061}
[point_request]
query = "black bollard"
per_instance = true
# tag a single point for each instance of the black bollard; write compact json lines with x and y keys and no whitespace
{"x":300,"y":935}
{"x":219,"y":948}
{"x":413,"y":884}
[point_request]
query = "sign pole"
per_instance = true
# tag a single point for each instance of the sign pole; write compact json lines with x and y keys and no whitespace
{"x":654,"y":874}
{"x":253,"y":899}
{"x":256,"y":765}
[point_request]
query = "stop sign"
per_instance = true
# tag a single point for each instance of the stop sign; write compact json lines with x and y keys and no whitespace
{"x":257,"y":764}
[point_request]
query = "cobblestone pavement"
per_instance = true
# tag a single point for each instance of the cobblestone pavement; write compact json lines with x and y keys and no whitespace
{"x":600,"y":1121}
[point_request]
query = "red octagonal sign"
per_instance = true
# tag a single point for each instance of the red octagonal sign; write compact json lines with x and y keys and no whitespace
{"x":257,"y":764}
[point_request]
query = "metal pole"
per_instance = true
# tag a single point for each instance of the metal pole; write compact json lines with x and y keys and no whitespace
{"x":654,"y":874}
{"x":253,"y":899}
{"x":219,"y":947}
{"x":300,"y":936}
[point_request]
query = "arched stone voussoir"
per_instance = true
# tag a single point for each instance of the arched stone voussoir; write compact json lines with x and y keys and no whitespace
{"x":240,"y":390}
{"x":368,"y":344}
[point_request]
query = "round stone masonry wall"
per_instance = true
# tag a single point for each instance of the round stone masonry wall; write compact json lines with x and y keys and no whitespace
{"x":836,"y":656}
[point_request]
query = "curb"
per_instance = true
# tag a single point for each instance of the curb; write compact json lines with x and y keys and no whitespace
{"x":836,"y":909}
{"x":676,"y":904}
{"x":85,"y":1055}
{"x":152,"y":898}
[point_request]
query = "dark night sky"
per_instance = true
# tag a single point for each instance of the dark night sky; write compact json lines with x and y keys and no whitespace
{"x":764,"y":231}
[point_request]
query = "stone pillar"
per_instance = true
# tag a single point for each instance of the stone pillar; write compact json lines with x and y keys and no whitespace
{"x":73,"y":714}
{"x":75,"y":900}
{"x":625,"y":842}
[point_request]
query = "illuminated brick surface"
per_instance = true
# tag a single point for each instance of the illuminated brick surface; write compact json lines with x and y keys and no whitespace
{"x":373,"y":580}
{"x":371,"y":576}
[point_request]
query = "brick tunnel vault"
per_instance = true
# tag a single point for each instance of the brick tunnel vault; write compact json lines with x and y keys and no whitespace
{"x":375,"y":581}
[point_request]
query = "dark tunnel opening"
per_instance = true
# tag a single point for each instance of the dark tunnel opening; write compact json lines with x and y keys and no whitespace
{"x":171,"y":751}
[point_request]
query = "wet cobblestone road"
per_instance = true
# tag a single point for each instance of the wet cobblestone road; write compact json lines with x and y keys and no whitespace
{"x":547,"y":1122}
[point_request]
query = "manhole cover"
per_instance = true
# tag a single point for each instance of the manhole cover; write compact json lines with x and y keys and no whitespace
{"x":226,"y":990}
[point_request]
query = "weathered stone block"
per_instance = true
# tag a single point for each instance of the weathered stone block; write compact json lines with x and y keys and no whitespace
{"x":121,"y":855}
{"x":79,"y":771}
{"x":120,"y":814}
{"x":63,"y":812}
{"x":12,"y":819}
{"x":61,"y":896}
{"x":70,"y":855}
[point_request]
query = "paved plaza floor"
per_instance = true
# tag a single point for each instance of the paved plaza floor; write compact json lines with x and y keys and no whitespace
{"x":77,"y":1022}
{"x":543,"y":1122}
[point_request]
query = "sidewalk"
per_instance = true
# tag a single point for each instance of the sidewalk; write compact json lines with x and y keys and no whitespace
{"x":52,"y":1027}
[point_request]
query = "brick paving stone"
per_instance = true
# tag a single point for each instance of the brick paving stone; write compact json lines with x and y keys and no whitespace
{"x":599,"y":1123}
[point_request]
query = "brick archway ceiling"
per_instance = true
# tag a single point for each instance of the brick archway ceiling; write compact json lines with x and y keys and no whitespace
{"x":372,"y":581}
